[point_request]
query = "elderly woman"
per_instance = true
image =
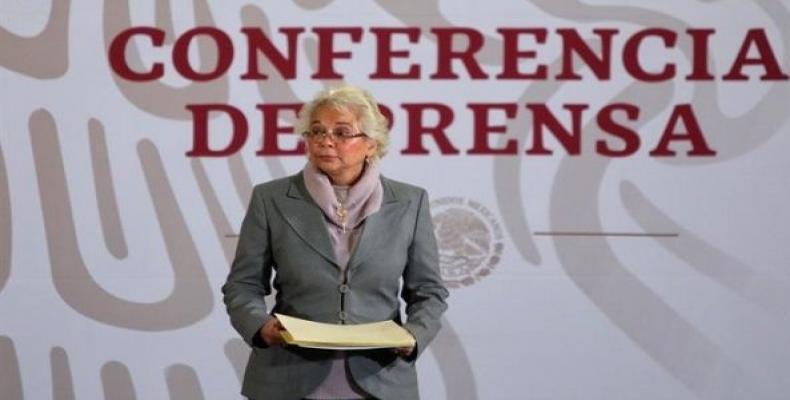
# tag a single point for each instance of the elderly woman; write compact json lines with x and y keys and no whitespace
{"x":337,"y":239}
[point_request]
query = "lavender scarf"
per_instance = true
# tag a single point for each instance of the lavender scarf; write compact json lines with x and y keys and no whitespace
{"x":364,"y":197}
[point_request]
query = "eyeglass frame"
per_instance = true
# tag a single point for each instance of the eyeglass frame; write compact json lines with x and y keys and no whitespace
{"x":330,"y":133}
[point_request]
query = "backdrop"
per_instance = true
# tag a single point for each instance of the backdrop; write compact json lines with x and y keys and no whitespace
{"x":608,"y":182}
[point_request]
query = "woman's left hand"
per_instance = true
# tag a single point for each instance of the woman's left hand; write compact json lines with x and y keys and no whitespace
{"x":403,"y":351}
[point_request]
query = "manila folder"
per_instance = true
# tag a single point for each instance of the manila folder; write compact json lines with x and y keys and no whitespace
{"x":304,"y":333}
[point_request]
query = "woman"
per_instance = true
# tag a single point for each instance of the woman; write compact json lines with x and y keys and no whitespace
{"x":337,"y":238}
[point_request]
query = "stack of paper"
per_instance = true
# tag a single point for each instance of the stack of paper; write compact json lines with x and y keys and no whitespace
{"x":304,"y":333}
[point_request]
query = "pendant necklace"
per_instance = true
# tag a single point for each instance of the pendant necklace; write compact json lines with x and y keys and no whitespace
{"x":341,"y":212}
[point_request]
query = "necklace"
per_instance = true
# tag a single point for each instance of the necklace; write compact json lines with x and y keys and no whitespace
{"x":341,"y":212}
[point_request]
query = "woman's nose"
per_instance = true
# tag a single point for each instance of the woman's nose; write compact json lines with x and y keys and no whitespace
{"x":326,"y":140}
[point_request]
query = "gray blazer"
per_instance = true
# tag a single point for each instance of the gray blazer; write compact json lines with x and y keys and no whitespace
{"x":284,"y":236}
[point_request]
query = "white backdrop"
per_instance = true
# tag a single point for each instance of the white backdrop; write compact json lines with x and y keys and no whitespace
{"x":573,"y":276}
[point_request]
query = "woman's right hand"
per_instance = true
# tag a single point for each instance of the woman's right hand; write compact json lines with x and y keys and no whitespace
{"x":270,"y":332}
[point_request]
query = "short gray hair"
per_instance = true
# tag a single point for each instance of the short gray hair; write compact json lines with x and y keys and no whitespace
{"x":359,"y":102}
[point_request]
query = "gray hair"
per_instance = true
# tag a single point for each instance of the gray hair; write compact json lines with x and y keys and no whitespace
{"x":359,"y":102}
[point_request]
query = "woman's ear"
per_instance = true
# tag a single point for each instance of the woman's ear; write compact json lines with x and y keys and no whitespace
{"x":372,"y":148}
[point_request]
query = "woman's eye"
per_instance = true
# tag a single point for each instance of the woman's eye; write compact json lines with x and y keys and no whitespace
{"x":343,"y":131}
{"x":317,"y":130}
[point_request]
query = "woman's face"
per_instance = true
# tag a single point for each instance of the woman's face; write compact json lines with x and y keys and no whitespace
{"x":342,"y":160}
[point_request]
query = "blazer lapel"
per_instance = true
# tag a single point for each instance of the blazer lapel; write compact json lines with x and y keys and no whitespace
{"x":304,"y":216}
{"x":378,"y":226}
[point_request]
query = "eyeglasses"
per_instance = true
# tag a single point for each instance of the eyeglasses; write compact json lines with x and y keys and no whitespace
{"x":341,"y":133}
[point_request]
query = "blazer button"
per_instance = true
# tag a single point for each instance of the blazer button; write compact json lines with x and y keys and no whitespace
{"x":343,"y":288}
{"x":342,"y":315}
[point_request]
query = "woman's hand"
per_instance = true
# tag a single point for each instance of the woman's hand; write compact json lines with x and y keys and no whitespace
{"x":270,"y":332}
{"x":403,"y":351}
{"x":406,"y":351}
